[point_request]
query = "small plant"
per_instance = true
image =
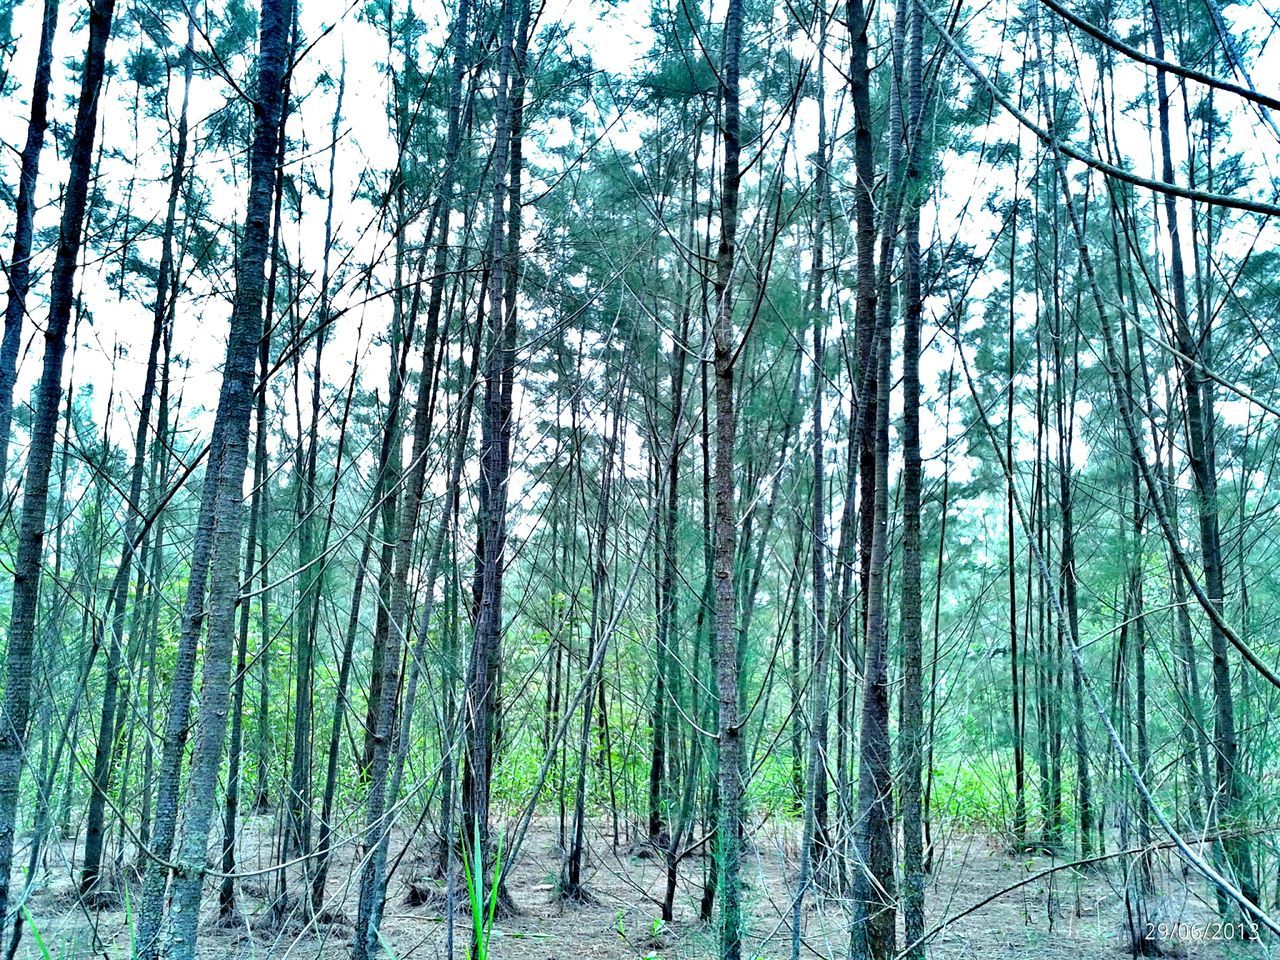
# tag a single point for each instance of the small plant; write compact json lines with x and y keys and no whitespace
{"x":484,"y":905}
{"x":386,"y":947}
{"x":35,"y":933}
{"x":128,"y":922}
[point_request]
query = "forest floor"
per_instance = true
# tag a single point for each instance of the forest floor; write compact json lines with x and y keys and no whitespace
{"x":1064,"y":915}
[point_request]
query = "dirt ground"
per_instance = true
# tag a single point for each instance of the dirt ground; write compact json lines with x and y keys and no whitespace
{"x":1066,"y":914}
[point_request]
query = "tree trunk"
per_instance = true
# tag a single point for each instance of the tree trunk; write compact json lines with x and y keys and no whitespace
{"x":913,"y":747}
{"x":817,"y":715}
{"x":873,"y":936}
{"x":729,"y":725}
{"x":19,"y":268}
{"x":231,"y":808}
{"x":216,"y":548}
{"x":1067,"y":564}
{"x":668,"y":604}
{"x":483,"y":679}
{"x":571,"y":887}
{"x":108,"y":734}
{"x":1198,"y":404}
{"x":262,"y":787}
{"x":31,"y":530}
{"x":373,"y":874}
{"x":1016,"y":701}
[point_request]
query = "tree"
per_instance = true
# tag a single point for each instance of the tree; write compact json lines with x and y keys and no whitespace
{"x":913,"y":733}
{"x":108,"y":742}
{"x":19,"y":268}
{"x":731,"y":753}
{"x":28,"y":566}
{"x":217,"y":544}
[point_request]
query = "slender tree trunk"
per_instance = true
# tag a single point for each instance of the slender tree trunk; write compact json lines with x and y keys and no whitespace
{"x":19,"y":268}
{"x":377,"y":828}
{"x":263,"y":790}
{"x":667,"y":588}
{"x":797,"y":677}
{"x":216,"y":549}
{"x":435,"y":553}
{"x":913,"y":734}
{"x":151,"y":611}
{"x":1198,"y":758}
{"x":324,"y":841}
{"x":571,"y":885}
{"x":31,"y":530}
{"x":1198,"y":403}
{"x":311,"y":563}
{"x":108,"y":734}
{"x":231,"y":807}
{"x":1137,"y":613}
{"x":1067,"y":563}
{"x":872,"y":935}
{"x":483,"y":679}
{"x":729,"y":724}
{"x":927,"y":865}
{"x":1056,"y":825}
{"x":816,"y":761}
{"x":1016,"y":703}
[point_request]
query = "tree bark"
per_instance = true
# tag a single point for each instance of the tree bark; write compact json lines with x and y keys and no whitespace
{"x":216,"y":548}
{"x":815,"y":761}
{"x":31,"y":530}
{"x":108,"y":735}
{"x":231,"y":807}
{"x":483,"y":679}
{"x":729,"y":725}
{"x":913,"y":747}
{"x":1197,"y":391}
{"x":872,"y":935}
{"x":23,"y":220}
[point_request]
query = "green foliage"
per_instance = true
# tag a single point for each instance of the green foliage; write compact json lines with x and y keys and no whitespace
{"x":484,"y":905}
{"x":36,"y":934}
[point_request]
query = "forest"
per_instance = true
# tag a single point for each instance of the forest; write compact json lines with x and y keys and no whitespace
{"x":639,"y":479}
